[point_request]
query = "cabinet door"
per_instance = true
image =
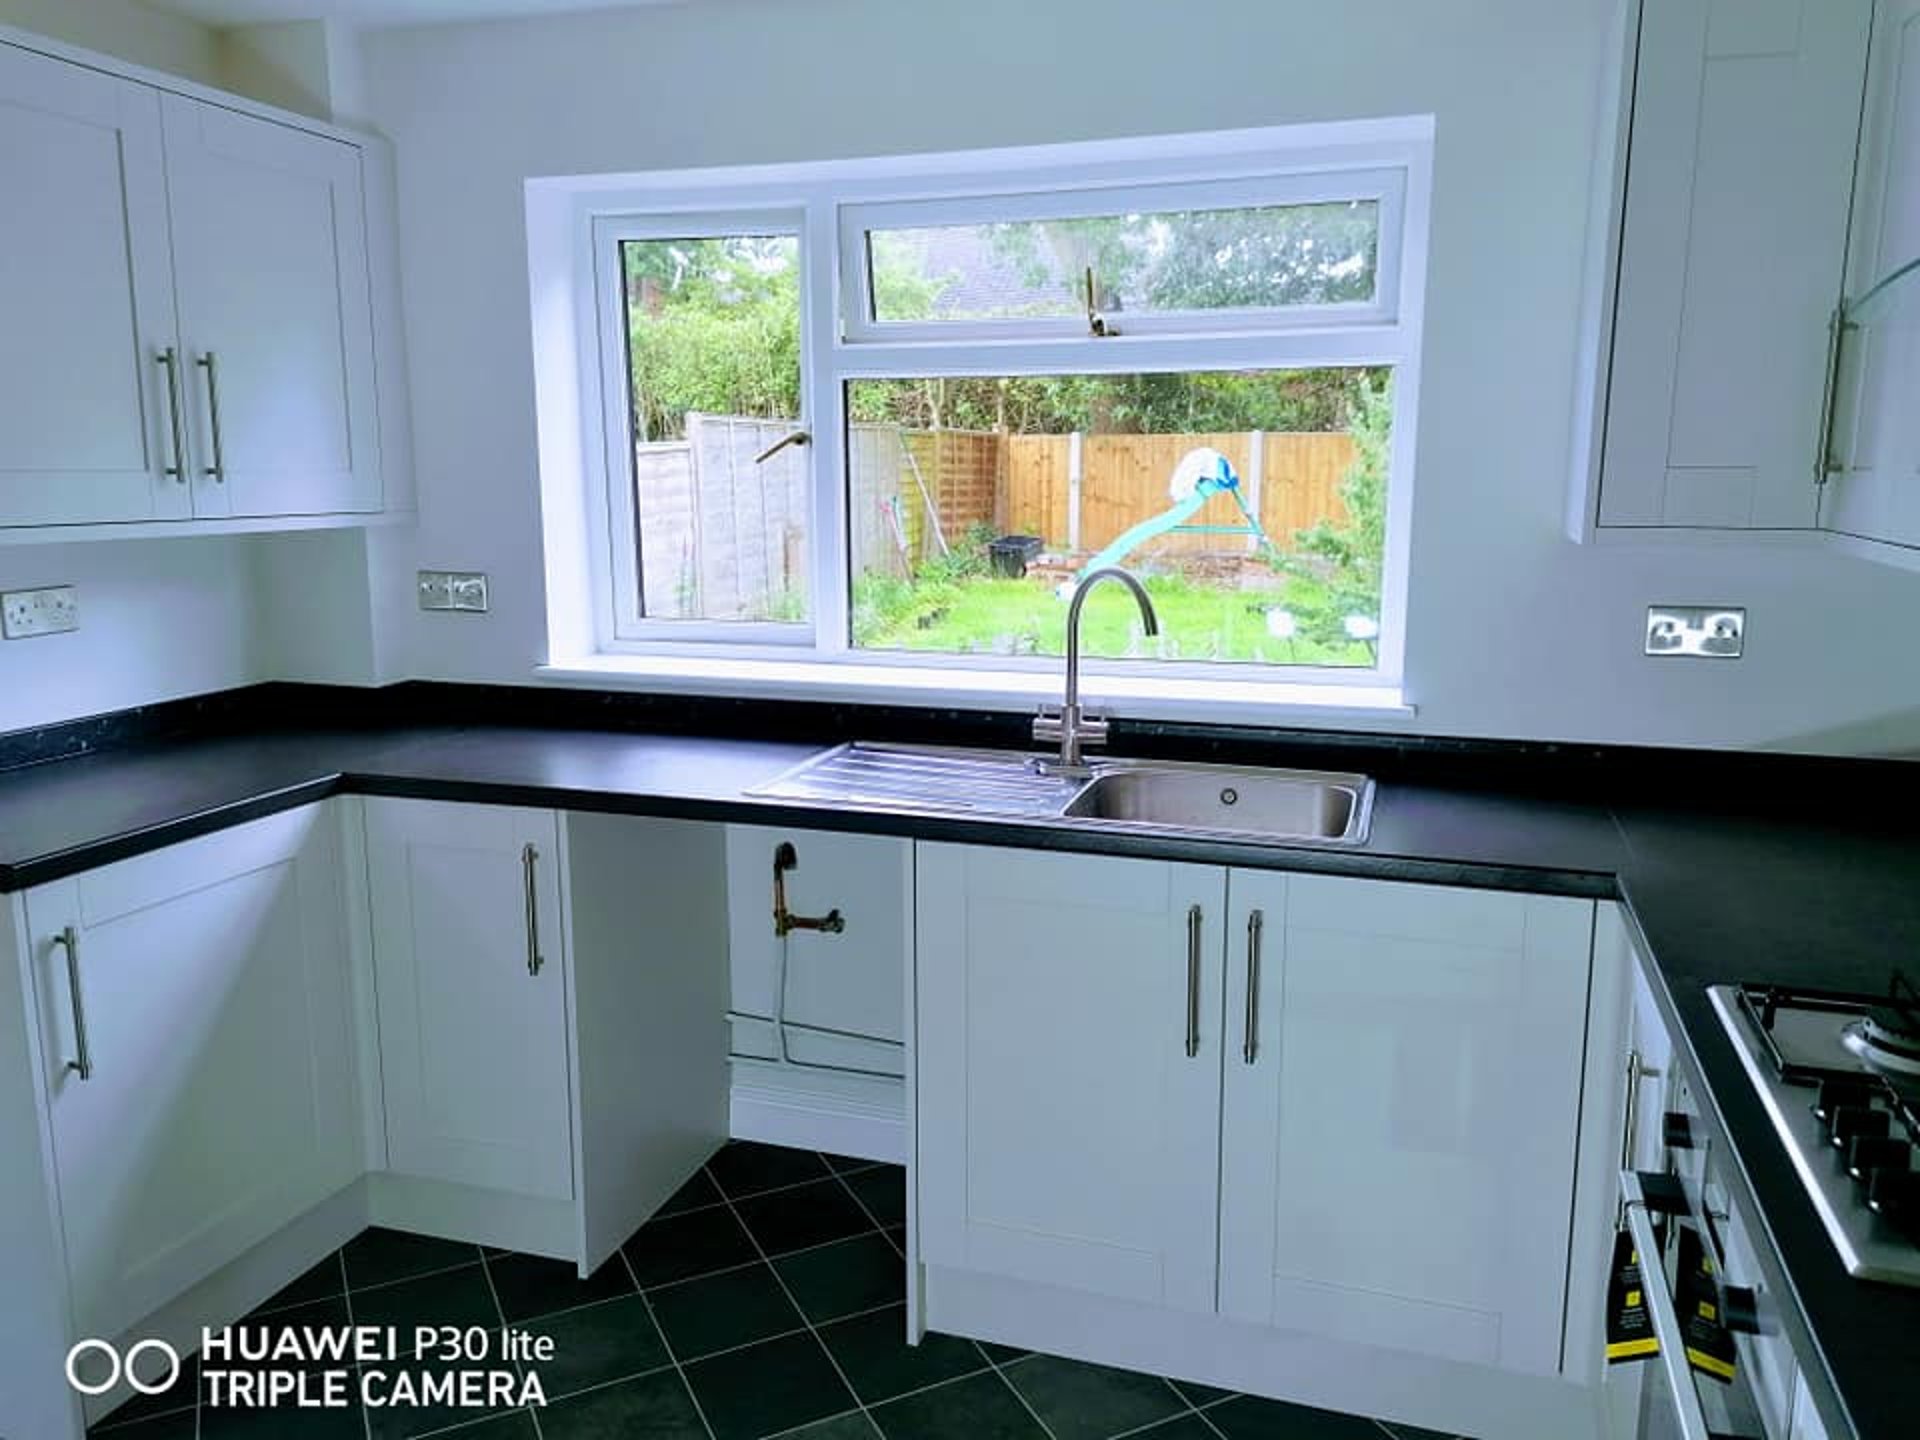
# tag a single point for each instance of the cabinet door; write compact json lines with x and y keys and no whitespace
{"x":1874,"y":488}
{"x":1746,"y":115}
{"x":1067,"y":1131}
{"x":473,"y":1032}
{"x":270,"y":251}
{"x":86,"y":288}
{"x":839,"y":993}
{"x":210,"y":980}
{"x":1397,"y":1160}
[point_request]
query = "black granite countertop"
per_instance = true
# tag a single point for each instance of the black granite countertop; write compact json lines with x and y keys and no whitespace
{"x":1719,"y":891}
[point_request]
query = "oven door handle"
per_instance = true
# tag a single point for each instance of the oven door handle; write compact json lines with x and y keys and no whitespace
{"x":1660,"y":1309}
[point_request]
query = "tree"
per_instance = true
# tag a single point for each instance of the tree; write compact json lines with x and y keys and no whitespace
{"x":1355,"y":547}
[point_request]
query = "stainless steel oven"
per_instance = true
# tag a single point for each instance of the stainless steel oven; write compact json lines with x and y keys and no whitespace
{"x":1698,"y":1271}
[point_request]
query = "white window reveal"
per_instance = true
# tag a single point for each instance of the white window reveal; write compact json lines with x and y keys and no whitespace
{"x":887,"y":413}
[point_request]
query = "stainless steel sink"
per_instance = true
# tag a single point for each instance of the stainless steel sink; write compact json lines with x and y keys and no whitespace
{"x":1143,"y":796}
{"x":1219,"y":800}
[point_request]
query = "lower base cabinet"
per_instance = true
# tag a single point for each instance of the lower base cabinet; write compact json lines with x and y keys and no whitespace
{"x":196,"y":1028}
{"x":1346,"y":1109}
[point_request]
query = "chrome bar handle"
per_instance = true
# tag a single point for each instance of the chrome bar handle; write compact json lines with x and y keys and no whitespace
{"x":1193,"y":981}
{"x":82,"y":1063}
{"x":1250,"y":1040}
{"x":1660,"y":1309}
{"x":218,"y":469}
{"x":169,"y":361}
{"x":530,"y":857}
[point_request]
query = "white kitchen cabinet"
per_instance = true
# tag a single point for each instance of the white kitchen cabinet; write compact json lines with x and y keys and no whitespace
{"x":1732,"y":233}
{"x":86,"y":286}
{"x":1067,"y":1062}
{"x":270,"y":252}
{"x":825,"y":998}
{"x":1397,"y":1151}
{"x":1873,"y":484}
{"x":471,"y":974}
{"x":1807,"y":1424}
{"x":195,"y":332}
{"x":204,"y":990}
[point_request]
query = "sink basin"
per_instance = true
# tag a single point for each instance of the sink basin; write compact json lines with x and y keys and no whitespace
{"x":1169,"y":798}
{"x":1219,"y":800}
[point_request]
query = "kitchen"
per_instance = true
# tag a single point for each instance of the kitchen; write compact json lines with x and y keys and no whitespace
{"x":547,"y":858}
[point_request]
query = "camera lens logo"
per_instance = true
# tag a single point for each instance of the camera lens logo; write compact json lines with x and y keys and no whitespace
{"x":118,"y":1365}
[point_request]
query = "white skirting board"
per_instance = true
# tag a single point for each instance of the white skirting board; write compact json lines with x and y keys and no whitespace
{"x":859,"y":1115}
{"x":1289,"y":1365}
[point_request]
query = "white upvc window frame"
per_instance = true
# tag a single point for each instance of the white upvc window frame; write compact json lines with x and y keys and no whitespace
{"x":595,"y":631}
{"x":1385,"y":188}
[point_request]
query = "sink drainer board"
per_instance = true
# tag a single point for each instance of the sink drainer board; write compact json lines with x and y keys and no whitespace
{"x":1158,"y":797}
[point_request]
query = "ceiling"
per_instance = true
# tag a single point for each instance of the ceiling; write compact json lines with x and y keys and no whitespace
{"x":375,"y":12}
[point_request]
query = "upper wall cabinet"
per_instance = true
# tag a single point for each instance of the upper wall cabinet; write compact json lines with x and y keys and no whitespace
{"x":195,"y":329}
{"x":1873,"y":460}
{"x":1731,"y":193}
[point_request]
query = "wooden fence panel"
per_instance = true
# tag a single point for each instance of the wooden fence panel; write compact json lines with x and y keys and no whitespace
{"x":1301,"y":483}
{"x":1037,"y":486}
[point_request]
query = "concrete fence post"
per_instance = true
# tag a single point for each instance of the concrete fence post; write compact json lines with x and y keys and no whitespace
{"x":1074,"y":469}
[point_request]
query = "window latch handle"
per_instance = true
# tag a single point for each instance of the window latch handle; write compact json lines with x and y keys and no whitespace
{"x":1096,"y":322}
{"x":792,"y":437}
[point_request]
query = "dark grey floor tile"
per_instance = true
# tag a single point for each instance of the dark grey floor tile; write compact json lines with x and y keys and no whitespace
{"x":1411,"y":1432}
{"x":1181,"y":1427}
{"x":322,"y":1282}
{"x":873,"y":1353}
{"x":842,"y":1427}
{"x":897,"y":1234}
{"x":698,"y":1192}
{"x":1197,"y":1394}
{"x":452,"y":1297}
{"x":883,"y":1193}
{"x":1002,"y":1354}
{"x":272,"y":1329}
{"x":978,"y":1408}
{"x":530,"y":1285}
{"x":379,"y":1256}
{"x":844,"y":1164}
{"x":284,"y":1422}
{"x":1247,"y":1417}
{"x":653,"y":1407}
{"x":179,"y":1425}
{"x":683,"y":1246}
{"x":805,"y":1215}
{"x":1077,"y":1401}
{"x":408,"y":1407}
{"x":765,"y":1388}
{"x":613,"y":1340}
{"x":517,"y":1426}
{"x":182,"y":1394}
{"x":845,"y":1277}
{"x":718,"y":1312}
{"x":746,"y":1167}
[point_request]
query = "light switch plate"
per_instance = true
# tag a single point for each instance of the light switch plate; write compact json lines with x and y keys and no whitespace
{"x":53,"y":610}
{"x":453,"y":590}
{"x":1712,"y":632}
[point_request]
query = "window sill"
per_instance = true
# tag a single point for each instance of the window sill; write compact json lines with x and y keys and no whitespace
{"x":1247,"y":702}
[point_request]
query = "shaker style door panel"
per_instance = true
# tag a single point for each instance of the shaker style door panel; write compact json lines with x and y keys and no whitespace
{"x":218,"y":1103}
{"x":1398,"y":1150}
{"x":1066,"y":1134}
{"x":473,"y":1029}
{"x":1746,"y":115}
{"x":270,"y":249}
{"x":839,"y":993}
{"x":86,"y":289}
{"x":1873,"y":487}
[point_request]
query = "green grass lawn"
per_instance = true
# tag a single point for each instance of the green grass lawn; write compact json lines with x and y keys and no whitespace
{"x":1023,"y":617}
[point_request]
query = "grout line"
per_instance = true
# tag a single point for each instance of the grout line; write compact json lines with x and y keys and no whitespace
{"x":854,"y":1195}
{"x":667,"y":1345}
{"x":1001,"y":1372}
{"x":1207,"y":1420}
{"x":500,"y":1314}
{"x":793,"y":1300}
{"x":760,"y":1258}
{"x":346,"y":1294}
{"x":479,"y":1258}
{"x":727,"y":1200}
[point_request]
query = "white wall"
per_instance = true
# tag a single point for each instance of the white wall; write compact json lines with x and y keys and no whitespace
{"x":1515,"y":631}
{"x":126,"y":29}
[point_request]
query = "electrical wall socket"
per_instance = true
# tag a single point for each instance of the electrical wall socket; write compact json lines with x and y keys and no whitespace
{"x":453,"y":590}
{"x":1715,"y":632}
{"x":51,"y":611}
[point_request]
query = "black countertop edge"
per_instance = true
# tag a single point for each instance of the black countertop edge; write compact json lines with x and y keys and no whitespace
{"x":1726,"y":779}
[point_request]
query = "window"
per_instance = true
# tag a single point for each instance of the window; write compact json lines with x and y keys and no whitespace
{"x":888,"y":413}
